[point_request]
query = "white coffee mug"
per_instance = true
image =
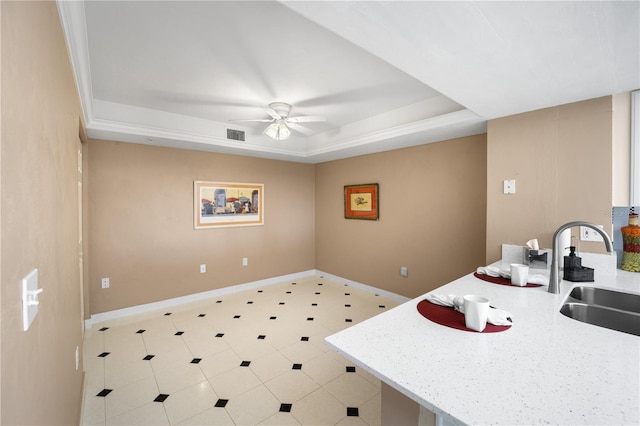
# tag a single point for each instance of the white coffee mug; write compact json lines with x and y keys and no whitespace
{"x":519,"y":274}
{"x":476,"y":311}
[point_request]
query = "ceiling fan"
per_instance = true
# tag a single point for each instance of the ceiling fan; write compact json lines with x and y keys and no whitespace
{"x":281,"y":124}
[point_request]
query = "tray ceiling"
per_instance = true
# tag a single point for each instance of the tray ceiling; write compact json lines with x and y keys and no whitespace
{"x":385,"y":75}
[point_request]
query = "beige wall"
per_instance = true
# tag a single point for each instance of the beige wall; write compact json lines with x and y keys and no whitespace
{"x":561,"y":159}
{"x":141,"y":232}
{"x":40,"y":116}
{"x":432,"y":216}
{"x":621,"y":148}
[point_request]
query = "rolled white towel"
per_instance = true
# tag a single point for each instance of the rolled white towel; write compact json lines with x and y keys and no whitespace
{"x":538,"y":279}
{"x":499,"y":317}
{"x":450,"y":300}
{"x":493,"y":271}
{"x":496,"y":316}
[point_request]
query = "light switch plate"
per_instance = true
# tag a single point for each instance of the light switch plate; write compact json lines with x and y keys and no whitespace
{"x":30,"y":301}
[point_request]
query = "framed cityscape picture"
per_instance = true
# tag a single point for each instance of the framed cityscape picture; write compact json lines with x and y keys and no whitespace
{"x":226,"y":204}
{"x":362,"y":201}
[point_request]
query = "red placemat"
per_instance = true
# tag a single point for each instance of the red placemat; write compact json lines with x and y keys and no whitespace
{"x":449,"y":317}
{"x":501,"y":281}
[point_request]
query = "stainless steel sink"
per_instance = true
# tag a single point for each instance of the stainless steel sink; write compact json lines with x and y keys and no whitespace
{"x":611,"y":318}
{"x":608,"y":298}
{"x":611,"y":309}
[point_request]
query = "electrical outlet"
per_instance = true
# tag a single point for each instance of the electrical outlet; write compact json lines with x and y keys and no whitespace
{"x":404,"y":271}
{"x":105,"y":283}
{"x":203,"y":268}
{"x":588,"y":234}
{"x":245,"y":261}
{"x":509,"y":186}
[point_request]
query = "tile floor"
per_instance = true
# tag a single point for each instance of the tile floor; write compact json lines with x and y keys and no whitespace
{"x":252,"y":357}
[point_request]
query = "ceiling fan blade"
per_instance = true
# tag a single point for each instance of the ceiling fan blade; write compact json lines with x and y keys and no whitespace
{"x":306,"y":119}
{"x":301,"y":129}
{"x":260,"y":120}
{"x":272,"y":113}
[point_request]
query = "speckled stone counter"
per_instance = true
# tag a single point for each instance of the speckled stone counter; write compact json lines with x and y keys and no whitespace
{"x":546,"y":368}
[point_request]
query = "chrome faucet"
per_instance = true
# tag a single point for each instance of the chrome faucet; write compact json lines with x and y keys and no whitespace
{"x":554,"y":276}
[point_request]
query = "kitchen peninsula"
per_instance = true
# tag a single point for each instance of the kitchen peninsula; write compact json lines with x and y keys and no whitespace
{"x":546,"y":368}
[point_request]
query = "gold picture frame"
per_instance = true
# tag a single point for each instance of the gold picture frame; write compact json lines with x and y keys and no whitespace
{"x":227,"y":204}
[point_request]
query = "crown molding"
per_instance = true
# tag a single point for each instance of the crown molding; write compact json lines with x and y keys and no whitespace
{"x":447,"y":126}
{"x":141,"y":134}
{"x":463,"y":117}
{"x":74,"y":24}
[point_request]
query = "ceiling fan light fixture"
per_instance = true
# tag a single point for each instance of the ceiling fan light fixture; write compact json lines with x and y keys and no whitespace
{"x":272,"y":131}
{"x":280,"y":121}
{"x":278,"y":131}
{"x":283,"y":131}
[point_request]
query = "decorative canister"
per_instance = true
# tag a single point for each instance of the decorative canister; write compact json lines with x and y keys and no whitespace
{"x":631,"y":244}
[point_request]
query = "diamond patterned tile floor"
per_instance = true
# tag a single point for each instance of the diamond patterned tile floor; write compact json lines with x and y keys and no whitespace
{"x":247,"y":358}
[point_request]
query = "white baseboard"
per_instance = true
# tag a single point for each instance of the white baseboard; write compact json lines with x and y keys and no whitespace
{"x":168,"y":303}
{"x":198,"y":297}
{"x":365,"y":287}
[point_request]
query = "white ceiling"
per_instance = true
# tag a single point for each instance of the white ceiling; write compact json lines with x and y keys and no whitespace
{"x":386,"y":75}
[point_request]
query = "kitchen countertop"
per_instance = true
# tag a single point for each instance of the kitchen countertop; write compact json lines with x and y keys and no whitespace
{"x":546,"y":368}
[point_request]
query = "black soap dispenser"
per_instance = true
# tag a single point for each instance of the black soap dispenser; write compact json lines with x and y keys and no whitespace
{"x":573,"y":269}
{"x":572,"y":261}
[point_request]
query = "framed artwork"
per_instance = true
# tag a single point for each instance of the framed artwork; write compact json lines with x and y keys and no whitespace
{"x":226,"y":204}
{"x":361,"y":202}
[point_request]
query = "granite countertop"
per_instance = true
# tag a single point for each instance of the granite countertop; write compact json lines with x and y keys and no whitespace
{"x":546,"y":368}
